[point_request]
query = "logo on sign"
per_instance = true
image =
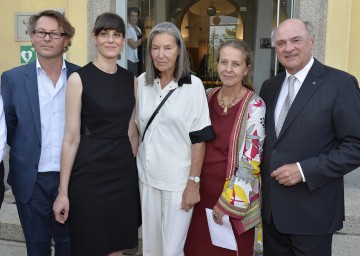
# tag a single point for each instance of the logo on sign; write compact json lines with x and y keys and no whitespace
{"x":27,"y":54}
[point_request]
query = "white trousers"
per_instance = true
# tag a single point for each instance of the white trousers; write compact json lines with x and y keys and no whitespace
{"x":164,"y":224}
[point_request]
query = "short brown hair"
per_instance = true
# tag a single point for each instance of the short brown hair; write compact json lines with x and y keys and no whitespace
{"x":69,"y":30}
{"x":246,"y":50}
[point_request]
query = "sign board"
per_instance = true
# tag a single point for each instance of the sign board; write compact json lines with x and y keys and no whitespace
{"x":27,"y":54}
{"x":21,"y":22}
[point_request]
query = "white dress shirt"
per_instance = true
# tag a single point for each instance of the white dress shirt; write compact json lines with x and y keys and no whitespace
{"x":52,"y":117}
{"x":2,"y":130}
{"x":300,"y":78}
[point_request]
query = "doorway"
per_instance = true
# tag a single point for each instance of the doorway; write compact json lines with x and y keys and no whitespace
{"x":204,"y":24}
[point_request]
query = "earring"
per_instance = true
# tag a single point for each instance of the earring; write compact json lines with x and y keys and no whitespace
{"x":217,"y":81}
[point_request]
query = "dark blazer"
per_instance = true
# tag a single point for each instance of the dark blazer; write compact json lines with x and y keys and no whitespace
{"x":22,"y":113}
{"x":322,"y":133}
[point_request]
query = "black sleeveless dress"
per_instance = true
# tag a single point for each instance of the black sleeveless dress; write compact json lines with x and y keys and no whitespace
{"x":103,"y":189}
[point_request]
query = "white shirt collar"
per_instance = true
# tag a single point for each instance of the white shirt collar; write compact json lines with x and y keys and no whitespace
{"x":171,"y":85}
{"x":38,"y":65}
{"x":301,"y":75}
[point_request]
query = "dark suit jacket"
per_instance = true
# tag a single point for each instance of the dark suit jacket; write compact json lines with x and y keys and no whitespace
{"x":22,"y":113}
{"x":322,"y":133}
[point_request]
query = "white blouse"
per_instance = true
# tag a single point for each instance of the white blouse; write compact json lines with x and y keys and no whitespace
{"x":164,"y":156}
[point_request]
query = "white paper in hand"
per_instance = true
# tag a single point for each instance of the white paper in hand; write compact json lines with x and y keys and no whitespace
{"x":221,"y":235}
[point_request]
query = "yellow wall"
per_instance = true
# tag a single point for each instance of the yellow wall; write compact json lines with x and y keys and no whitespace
{"x":75,"y":11}
{"x":354,"y":59}
{"x":77,"y":15}
{"x":342,"y":38}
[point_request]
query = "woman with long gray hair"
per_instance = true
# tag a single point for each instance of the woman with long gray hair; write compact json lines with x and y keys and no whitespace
{"x":171,"y":152}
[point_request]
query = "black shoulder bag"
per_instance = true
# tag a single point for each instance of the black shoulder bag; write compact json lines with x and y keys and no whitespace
{"x":157,"y":111}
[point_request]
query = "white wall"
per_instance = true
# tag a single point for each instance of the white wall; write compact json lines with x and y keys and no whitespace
{"x":121,"y":9}
{"x":262,"y":64}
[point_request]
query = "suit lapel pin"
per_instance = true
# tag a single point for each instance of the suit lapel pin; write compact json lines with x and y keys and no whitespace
{"x":314,"y":82}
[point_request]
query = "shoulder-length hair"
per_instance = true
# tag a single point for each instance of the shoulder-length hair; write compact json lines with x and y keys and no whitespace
{"x":63,"y":22}
{"x":246,"y":50}
{"x":182,"y":66}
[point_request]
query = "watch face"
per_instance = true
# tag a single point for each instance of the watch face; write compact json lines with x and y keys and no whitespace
{"x":196,"y":179}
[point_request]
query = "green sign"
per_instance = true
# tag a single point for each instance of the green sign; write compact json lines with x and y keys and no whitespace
{"x":27,"y":54}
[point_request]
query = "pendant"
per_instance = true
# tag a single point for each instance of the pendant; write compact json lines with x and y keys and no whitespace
{"x":225,"y":110}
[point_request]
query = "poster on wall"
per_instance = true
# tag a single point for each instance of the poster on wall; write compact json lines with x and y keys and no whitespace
{"x":21,"y":21}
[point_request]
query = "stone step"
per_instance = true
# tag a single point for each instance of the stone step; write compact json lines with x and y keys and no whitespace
{"x":12,"y":241}
{"x":352,"y":178}
{"x":11,"y":248}
{"x":10,"y":229}
{"x":352,"y":211}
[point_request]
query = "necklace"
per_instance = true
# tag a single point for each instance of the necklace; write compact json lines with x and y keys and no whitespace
{"x":222,"y":104}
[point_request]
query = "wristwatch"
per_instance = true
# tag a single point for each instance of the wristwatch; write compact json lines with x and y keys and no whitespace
{"x":195,"y":179}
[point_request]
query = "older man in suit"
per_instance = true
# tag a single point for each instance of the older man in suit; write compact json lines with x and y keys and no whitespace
{"x":312,"y":141}
{"x":34,"y":105}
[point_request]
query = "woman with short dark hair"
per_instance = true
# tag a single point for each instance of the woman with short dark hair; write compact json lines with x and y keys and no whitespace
{"x":98,"y":168}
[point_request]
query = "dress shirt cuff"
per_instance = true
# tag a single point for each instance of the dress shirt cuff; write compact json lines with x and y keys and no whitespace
{"x":301,"y":172}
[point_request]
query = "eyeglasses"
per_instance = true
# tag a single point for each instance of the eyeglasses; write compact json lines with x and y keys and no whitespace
{"x":53,"y":35}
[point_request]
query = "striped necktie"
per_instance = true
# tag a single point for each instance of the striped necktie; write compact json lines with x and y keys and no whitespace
{"x":287,"y":104}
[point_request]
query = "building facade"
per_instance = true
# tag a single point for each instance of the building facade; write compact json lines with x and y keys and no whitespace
{"x":204,"y":24}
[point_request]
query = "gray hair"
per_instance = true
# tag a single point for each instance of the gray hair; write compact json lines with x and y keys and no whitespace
{"x":182,"y":66}
{"x":308,"y":26}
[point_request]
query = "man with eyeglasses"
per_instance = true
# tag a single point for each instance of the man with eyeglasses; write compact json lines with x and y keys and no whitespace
{"x":34,"y":106}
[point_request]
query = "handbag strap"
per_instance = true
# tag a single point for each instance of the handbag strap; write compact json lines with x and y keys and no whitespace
{"x":156,"y":112}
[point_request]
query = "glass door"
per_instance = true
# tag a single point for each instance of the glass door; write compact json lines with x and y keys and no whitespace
{"x":282,"y":10}
{"x":146,"y":20}
{"x":204,"y":24}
